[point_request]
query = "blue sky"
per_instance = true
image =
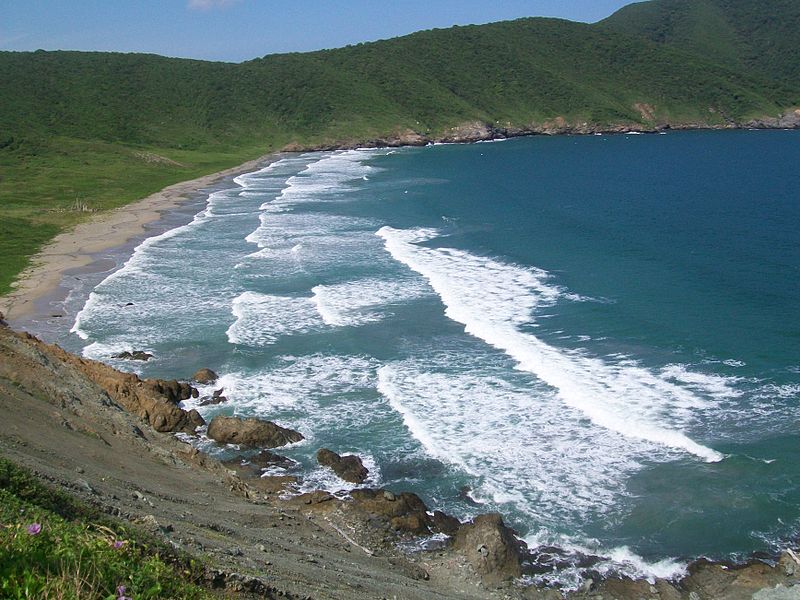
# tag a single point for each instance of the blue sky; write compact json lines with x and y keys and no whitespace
{"x":236,"y":30}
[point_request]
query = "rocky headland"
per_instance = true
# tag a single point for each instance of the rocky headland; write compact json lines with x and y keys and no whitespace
{"x":479,"y":131}
{"x":108,"y":437}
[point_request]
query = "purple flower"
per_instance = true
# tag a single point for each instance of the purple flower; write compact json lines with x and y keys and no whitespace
{"x":121,"y":593}
{"x":34,"y":528}
{"x":117,"y":545}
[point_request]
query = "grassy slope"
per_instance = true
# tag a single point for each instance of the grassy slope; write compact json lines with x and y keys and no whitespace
{"x":77,"y":552}
{"x":73,"y":126}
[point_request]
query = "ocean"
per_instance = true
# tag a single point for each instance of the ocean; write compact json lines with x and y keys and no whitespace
{"x":596,"y":336}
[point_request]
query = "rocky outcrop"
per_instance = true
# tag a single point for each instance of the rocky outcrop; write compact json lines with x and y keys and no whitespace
{"x":649,"y":121}
{"x":133,"y":355}
{"x":491,"y":548}
{"x":216,"y":398}
{"x":175,"y":391}
{"x":252,"y":466}
{"x":788,"y":120}
{"x":205,"y":376}
{"x":250,"y":471}
{"x":250,"y":432}
{"x":380,"y":514}
{"x":402,"y":513}
{"x":154,"y":400}
{"x":348,"y":467}
{"x":473,"y":131}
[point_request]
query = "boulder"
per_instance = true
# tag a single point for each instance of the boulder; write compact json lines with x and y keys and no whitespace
{"x":403,"y":513}
{"x":250,"y":432}
{"x":175,"y":391}
{"x":348,"y":467}
{"x":491,"y":548}
{"x":135,"y":355}
{"x":205,"y":376}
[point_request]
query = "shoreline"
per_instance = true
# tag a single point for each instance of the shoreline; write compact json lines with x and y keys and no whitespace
{"x":76,"y":248}
{"x":147,"y":208}
{"x":253,"y":537}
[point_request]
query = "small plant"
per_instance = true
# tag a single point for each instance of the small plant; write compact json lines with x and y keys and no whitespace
{"x":81,"y":206}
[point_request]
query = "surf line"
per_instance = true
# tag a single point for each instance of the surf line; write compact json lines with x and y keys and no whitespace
{"x":497,"y":297}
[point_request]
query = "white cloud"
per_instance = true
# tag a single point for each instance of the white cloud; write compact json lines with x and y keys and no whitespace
{"x":209,"y":4}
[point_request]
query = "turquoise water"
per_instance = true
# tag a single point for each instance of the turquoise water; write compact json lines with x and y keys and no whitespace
{"x":597,"y":336}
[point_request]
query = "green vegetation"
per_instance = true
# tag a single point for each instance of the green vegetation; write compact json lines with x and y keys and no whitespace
{"x":51,"y":546}
{"x":81,"y":132}
{"x":762,"y":38}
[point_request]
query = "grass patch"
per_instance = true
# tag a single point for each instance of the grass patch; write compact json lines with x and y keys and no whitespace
{"x":19,"y":240}
{"x":49,"y":186}
{"x":52,"y":546}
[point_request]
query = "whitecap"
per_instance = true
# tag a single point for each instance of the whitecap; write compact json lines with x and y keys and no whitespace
{"x":493,"y":299}
{"x":261,"y":319}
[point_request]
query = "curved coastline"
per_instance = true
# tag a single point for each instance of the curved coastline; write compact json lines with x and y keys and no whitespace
{"x":76,"y":248}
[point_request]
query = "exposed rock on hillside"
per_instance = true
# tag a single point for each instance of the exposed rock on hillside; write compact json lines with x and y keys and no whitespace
{"x":250,"y":432}
{"x":491,"y":548}
{"x":154,"y":400}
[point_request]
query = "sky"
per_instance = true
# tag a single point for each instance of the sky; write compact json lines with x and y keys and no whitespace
{"x":237,"y":30}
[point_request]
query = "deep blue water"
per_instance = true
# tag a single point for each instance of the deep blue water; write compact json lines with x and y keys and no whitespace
{"x":597,"y":336}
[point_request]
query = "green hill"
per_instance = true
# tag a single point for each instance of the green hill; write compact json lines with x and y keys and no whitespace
{"x":760,"y":37}
{"x":90,"y":131}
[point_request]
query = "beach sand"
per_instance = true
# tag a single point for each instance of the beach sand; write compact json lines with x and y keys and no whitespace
{"x":75,"y":248}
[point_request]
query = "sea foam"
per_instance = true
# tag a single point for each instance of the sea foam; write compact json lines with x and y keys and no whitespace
{"x":494,"y":299}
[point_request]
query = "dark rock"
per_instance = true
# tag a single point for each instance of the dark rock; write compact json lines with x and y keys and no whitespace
{"x":252,"y":467}
{"x":135,"y":355}
{"x":464,"y":492}
{"x":250,"y":432}
{"x":205,"y":376}
{"x":491,"y":548}
{"x":444,"y":523}
{"x":266,"y":459}
{"x":216,"y":398}
{"x":348,"y":467}
{"x":314,"y":498}
{"x":3,"y":320}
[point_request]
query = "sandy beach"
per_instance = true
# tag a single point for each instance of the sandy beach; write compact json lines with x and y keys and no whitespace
{"x":75,"y":248}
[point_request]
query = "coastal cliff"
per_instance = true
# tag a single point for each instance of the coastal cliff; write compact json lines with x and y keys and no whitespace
{"x":106,"y":437}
